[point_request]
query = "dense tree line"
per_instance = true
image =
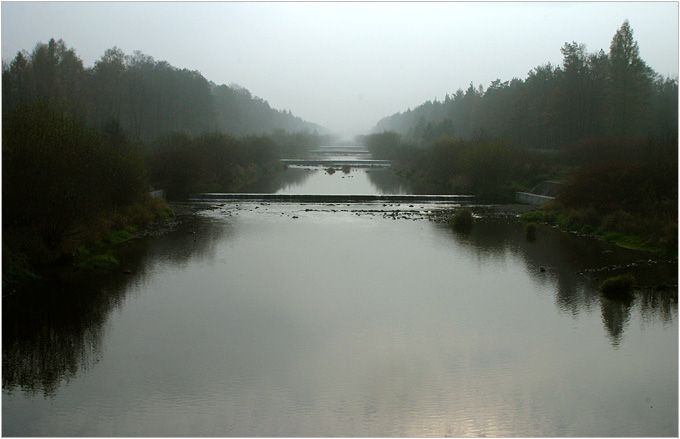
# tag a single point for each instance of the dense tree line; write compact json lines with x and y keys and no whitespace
{"x":67,"y":187}
{"x":603,"y":124}
{"x":483,"y":166}
{"x":182,"y":164}
{"x":81,"y":147}
{"x":589,"y":95}
{"x":148,"y":98}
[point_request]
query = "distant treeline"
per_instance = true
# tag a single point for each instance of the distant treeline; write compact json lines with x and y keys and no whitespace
{"x":148,"y":98}
{"x":182,"y":164}
{"x":590,"y":95}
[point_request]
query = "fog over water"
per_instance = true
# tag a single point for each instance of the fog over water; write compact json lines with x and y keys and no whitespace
{"x":345,"y":65}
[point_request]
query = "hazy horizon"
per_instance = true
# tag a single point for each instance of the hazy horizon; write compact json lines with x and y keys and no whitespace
{"x":345,"y":65}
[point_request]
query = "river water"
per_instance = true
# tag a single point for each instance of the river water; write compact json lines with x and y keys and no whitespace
{"x":274,"y":319}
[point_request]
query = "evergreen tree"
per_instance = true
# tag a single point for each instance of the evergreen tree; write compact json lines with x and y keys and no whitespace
{"x":630,"y":81}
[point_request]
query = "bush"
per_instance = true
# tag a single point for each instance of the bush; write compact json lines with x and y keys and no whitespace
{"x":462,"y":221}
{"x":533,"y":216}
{"x":618,"y":287}
{"x":621,"y":222}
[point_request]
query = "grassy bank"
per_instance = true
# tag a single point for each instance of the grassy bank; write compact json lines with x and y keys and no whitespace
{"x":647,"y":231}
{"x":621,"y":189}
{"x":25,"y":257}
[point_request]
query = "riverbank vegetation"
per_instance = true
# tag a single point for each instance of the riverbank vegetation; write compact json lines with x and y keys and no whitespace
{"x":65,"y":187}
{"x":603,"y":124}
{"x":462,"y":221}
{"x":70,"y":190}
{"x":83,"y":148}
{"x":618,"y":287}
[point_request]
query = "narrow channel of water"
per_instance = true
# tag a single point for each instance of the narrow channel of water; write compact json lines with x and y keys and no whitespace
{"x":318,"y":180}
{"x":258,"y":319}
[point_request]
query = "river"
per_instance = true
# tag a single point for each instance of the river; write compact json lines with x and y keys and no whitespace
{"x":375,"y":319}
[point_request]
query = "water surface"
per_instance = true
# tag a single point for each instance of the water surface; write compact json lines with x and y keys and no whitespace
{"x":258,"y":319}
{"x":318,"y":180}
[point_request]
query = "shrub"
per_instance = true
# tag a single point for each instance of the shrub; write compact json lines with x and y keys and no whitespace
{"x":621,"y":222}
{"x":533,"y":216}
{"x":618,"y":287}
{"x":462,"y":221}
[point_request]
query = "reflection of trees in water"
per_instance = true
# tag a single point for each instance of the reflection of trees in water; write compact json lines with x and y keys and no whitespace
{"x":196,"y":240}
{"x":615,"y":317}
{"x":53,"y":331}
{"x":658,"y":305}
{"x":562,"y":256}
{"x":387,"y":182}
{"x":279,"y":181}
{"x":493,"y":238}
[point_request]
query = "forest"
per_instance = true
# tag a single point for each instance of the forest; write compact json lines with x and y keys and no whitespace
{"x":604,"y":124}
{"x":589,"y":95}
{"x":148,"y":98}
{"x":83,"y":147}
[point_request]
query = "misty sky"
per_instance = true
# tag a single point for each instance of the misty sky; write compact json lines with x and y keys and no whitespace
{"x":345,"y":65}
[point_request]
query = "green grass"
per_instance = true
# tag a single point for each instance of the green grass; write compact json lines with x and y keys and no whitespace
{"x":587,"y":221}
{"x":631,"y":242}
{"x":98,"y":262}
{"x":118,"y":236}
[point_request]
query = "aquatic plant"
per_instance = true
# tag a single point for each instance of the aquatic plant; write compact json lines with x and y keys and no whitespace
{"x":462,"y":221}
{"x":618,"y":287}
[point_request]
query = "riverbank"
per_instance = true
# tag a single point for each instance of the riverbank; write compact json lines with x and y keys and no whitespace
{"x":652,"y":233}
{"x":276,"y":285}
{"x":89,"y":250}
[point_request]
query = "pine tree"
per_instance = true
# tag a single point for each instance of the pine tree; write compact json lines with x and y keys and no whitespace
{"x":630,"y":81}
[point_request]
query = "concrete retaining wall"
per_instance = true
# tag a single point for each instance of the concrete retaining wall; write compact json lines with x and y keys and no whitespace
{"x":533,"y":199}
{"x":541,"y":193}
{"x":157,"y":194}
